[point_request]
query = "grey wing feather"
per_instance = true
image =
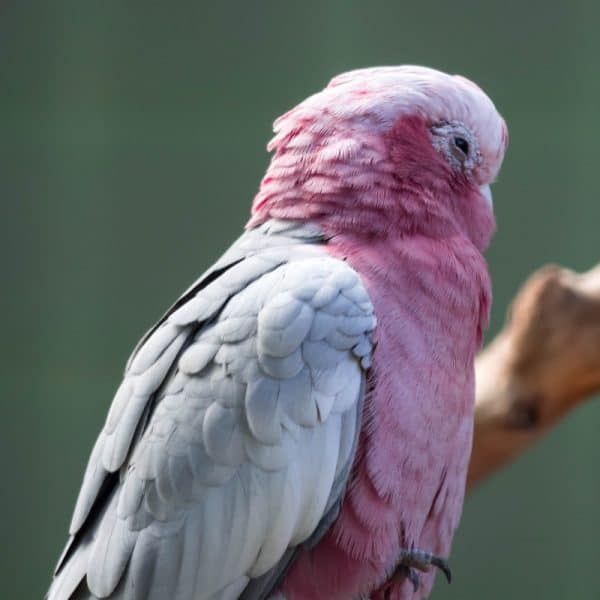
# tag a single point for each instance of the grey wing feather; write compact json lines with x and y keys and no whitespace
{"x":253,"y":380}
{"x":260,"y":587}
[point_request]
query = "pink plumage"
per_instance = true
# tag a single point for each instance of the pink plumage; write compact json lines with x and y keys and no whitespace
{"x":394,"y":163}
{"x":298,"y":424}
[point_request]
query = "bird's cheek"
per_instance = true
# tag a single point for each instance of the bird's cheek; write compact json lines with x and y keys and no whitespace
{"x":486,"y":192}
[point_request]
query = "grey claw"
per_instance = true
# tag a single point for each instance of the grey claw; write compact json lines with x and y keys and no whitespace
{"x":443,"y":566}
{"x":414,"y":579}
{"x":402,"y":572}
{"x":413,"y":561}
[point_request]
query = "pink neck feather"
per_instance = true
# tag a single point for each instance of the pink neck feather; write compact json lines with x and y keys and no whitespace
{"x":351,"y":180}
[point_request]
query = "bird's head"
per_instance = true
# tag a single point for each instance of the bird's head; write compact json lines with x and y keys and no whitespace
{"x":388,"y":151}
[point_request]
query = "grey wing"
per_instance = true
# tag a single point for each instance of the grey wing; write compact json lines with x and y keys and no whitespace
{"x":223,"y":415}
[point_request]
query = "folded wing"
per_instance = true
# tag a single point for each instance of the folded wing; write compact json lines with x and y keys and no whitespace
{"x":232,"y":434}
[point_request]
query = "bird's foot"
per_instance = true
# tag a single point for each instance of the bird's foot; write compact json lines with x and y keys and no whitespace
{"x":414,"y":561}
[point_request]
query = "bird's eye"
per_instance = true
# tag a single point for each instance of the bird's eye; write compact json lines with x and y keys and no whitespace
{"x":456,"y":144}
{"x":462,"y":145}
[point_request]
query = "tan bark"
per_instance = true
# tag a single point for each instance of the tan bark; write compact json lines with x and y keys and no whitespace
{"x":544,"y":362}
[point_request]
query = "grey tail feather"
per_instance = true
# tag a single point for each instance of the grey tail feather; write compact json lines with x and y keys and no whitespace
{"x":82,"y":592}
{"x":72,"y":574}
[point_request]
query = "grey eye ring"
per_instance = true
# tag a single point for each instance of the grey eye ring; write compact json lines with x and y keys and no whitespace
{"x":454,"y":141}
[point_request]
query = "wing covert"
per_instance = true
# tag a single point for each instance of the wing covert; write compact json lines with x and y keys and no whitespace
{"x":256,"y":380}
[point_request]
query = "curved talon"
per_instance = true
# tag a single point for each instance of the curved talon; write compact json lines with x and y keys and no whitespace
{"x":443,"y":566}
{"x":414,"y":579}
{"x":415,"y":560}
{"x":402,"y":572}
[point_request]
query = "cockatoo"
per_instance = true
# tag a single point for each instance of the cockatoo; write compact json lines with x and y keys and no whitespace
{"x":298,"y":424}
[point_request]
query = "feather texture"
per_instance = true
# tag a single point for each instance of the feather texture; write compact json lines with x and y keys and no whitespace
{"x":233,"y":462}
{"x":221,"y":482}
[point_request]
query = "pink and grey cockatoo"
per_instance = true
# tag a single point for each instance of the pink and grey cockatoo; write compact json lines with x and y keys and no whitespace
{"x":298,"y":425}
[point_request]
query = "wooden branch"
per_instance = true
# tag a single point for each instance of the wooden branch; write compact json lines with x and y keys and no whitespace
{"x":543,"y":363}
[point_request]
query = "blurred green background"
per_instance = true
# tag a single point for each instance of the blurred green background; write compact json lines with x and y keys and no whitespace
{"x":132,"y":141}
